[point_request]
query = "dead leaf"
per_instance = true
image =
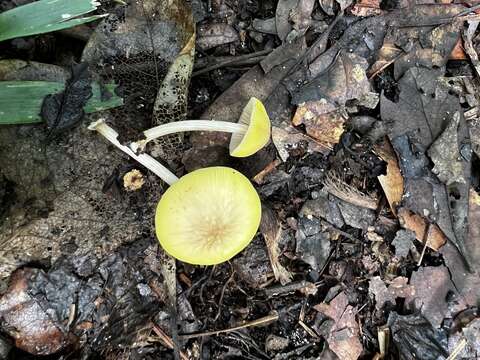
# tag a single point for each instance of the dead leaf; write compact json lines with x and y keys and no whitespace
{"x":392,"y":182}
{"x":34,"y":329}
{"x":469,"y":48}
{"x":435,"y":238}
{"x":415,"y":338}
{"x":365,"y":8}
{"x":343,"y":336}
{"x":282,"y":17}
{"x":387,"y":54}
{"x":290,"y":139}
{"x":344,"y":80}
{"x":326,"y":127}
{"x":312,"y":243}
{"x":327,"y":6}
{"x":458,"y":52}
{"x":266,"y":26}
{"x":212,"y":35}
{"x":424,"y":109}
{"x":301,"y":15}
{"x":403,"y":242}
{"x":344,"y":4}
{"x":432,"y":284}
{"x":446,"y":156}
{"x":398,"y":288}
{"x":426,"y":34}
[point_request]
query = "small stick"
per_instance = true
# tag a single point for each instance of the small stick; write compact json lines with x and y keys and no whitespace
{"x":425,"y":240}
{"x":237,"y":60}
{"x":457,"y":349}
{"x":308,"y":330}
{"x":262,"y":321}
{"x":278,"y":290}
{"x":167,"y":341}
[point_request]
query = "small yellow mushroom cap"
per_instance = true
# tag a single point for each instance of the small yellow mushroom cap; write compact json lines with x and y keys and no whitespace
{"x":255,"y":116}
{"x":208,"y":216}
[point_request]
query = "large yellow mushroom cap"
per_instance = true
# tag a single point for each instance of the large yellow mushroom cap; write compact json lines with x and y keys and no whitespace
{"x":255,"y":116}
{"x":208,"y":216}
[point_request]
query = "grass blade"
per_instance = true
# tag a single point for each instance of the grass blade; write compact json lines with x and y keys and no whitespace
{"x":45,"y":16}
{"x":21,"y":101}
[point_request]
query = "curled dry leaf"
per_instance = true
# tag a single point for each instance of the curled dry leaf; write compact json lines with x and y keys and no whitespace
{"x":271,"y":229}
{"x":392,"y":182}
{"x":324,"y":126}
{"x":416,"y":223}
{"x":343,"y":336}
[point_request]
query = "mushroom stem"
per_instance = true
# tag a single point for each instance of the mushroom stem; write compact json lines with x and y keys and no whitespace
{"x":146,"y":160}
{"x":188,"y":125}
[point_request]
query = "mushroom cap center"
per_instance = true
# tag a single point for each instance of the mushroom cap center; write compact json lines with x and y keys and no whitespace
{"x":208,"y":216}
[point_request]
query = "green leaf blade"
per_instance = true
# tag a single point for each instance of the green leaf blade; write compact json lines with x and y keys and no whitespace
{"x":21,"y":101}
{"x":45,"y":16}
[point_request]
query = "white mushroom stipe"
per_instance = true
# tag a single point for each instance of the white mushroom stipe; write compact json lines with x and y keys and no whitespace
{"x":188,"y":125}
{"x":146,"y":160}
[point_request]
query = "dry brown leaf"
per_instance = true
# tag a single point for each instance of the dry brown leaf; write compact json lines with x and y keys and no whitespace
{"x":392,"y":182}
{"x":289,"y":138}
{"x":325,"y":126}
{"x":432,"y":284}
{"x":458,"y":52}
{"x":411,"y":221}
{"x":367,"y":8}
{"x":398,"y":288}
{"x":343,"y":336}
{"x":387,"y":54}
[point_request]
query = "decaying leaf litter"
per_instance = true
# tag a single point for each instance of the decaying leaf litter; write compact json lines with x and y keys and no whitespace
{"x":368,"y":244}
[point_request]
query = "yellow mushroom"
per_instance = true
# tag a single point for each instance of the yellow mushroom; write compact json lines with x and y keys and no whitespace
{"x":207,"y":216}
{"x":249,"y":134}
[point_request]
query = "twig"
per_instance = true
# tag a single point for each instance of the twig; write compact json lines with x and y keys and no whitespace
{"x":167,"y":340}
{"x":308,"y":330}
{"x":220,"y":301}
{"x":425,"y":242}
{"x":237,"y":60}
{"x":457,"y":349}
{"x":278,"y":290}
{"x":330,"y":226}
{"x":262,"y":321}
